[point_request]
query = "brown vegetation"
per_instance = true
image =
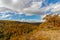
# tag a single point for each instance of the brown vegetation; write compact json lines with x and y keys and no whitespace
{"x":14,"y":30}
{"x":51,"y":22}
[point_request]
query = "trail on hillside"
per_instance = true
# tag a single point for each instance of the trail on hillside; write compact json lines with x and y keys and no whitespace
{"x":46,"y":35}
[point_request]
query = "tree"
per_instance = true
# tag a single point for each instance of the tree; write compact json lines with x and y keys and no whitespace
{"x":51,"y":21}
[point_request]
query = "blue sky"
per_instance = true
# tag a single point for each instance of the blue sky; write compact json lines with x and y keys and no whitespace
{"x":30,"y":11}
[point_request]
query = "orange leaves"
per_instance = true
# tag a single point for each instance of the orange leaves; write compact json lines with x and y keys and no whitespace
{"x":51,"y":21}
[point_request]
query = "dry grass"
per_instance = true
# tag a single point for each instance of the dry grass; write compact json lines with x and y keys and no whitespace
{"x":46,"y":35}
{"x":14,"y":30}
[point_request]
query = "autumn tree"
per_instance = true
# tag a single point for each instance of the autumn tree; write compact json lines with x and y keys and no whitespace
{"x":51,"y":21}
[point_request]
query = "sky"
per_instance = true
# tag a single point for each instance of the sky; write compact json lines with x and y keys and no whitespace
{"x":28,"y":10}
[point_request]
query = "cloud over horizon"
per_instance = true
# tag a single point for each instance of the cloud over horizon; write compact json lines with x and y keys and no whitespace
{"x":31,"y":7}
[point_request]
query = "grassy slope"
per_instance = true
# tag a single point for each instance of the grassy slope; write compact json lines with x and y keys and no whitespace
{"x":13,"y":30}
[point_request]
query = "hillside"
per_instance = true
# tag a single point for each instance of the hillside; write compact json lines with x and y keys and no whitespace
{"x":15,"y":30}
{"x":12,"y":29}
{"x":48,"y":30}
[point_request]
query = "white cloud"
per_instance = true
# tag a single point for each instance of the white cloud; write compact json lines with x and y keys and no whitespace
{"x":29,"y":7}
{"x":16,"y":4}
{"x":21,"y":5}
{"x":56,"y":8}
{"x":36,"y":4}
{"x":34,"y":8}
{"x":14,"y":1}
{"x":5,"y":16}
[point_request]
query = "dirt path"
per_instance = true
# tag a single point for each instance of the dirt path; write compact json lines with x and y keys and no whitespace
{"x":52,"y":35}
